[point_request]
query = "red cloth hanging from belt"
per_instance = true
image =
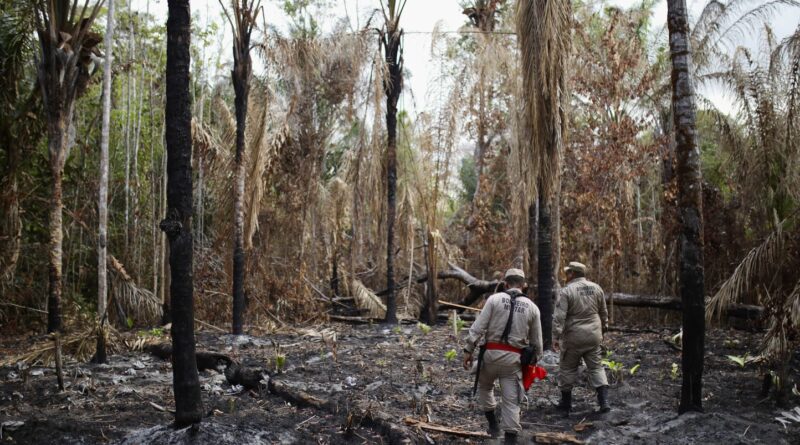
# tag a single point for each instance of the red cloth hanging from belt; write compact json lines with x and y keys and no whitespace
{"x":530,"y":373}
{"x":502,"y":347}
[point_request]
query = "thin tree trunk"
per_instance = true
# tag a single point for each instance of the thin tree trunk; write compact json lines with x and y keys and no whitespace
{"x":393,"y":87}
{"x":690,"y":202}
{"x":58,"y":124}
{"x":430,"y":310}
{"x":178,"y":222}
{"x":102,"y":204}
{"x":244,"y":15}
{"x":545,"y":291}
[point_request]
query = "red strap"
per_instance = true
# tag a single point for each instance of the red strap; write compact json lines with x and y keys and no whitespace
{"x":502,"y":347}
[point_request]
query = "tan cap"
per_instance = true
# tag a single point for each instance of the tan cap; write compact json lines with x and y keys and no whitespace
{"x":515,"y":273}
{"x":576,"y":266}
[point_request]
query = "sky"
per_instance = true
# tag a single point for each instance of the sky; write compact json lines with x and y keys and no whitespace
{"x":419,"y":19}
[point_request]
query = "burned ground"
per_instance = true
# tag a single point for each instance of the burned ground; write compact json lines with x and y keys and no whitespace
{"x":368,"y":380}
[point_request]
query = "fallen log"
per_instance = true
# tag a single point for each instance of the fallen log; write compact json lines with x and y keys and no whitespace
{"x":746,"y":311}
{"x":205,"y":359}
{"x":361,"y":413}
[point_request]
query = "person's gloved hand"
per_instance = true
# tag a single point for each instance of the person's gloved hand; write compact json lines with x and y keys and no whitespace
{"x":468,"y":361}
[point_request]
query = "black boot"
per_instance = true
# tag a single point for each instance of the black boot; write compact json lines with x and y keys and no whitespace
{"x":566,"y":402}
{"x":494,"y":429}
{"x":511,"y":438}
{"x":602,"y":399}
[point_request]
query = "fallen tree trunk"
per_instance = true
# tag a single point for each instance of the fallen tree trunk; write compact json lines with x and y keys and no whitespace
{"x":746,"y":311}
{"x":360,"y":412}
{"x":205,"y":359}
{"x":478,"y":288}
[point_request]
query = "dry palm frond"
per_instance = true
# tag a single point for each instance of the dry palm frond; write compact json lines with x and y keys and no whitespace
{"x":80,"y":346}
{"x":750,"y":273}
{"x":367,"y":300}
{"x":544,"y":38}
{"x":139,"y":304}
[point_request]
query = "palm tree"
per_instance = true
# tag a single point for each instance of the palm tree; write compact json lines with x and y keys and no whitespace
{"x":391,"y":36}
{"x":690,"y":203}
{"x":177,"y":223}
{"x":543,"y":34}
{"x":65,"y":65}
{"x":242,"y":22}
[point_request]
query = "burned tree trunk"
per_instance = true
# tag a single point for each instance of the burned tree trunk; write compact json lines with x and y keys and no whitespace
{"x":178,"y":222}
{"x":242,"y":22}
{"x":690,"y":203}
{"x":544,"y":275}
{"x":393,"y":85}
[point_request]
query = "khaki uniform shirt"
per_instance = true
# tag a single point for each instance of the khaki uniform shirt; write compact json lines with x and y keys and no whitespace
{"x":526,"y":328}
{"x":580,"y":317}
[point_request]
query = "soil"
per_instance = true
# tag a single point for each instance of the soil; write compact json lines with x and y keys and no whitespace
{"x":398,"y":373}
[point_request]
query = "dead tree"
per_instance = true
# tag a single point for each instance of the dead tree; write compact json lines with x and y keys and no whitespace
{"x":178,"y":221}
{"x":390,"y":38}
{"x":242,"y":22}
{"x":690,"y":203}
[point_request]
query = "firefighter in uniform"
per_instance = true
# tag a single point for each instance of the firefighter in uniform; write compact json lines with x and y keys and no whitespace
{"x":579,"y":324}
{"x":509,"y":323}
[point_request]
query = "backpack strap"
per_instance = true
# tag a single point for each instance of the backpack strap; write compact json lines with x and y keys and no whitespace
{"x":513,"y":293}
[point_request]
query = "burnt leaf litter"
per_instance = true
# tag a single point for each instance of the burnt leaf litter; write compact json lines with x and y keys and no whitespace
{"x":362,"y":378}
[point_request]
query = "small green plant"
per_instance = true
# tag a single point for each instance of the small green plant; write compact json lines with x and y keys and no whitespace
{"x":616,"y":368}
{"x":424,"y":328}
{"x":635,"y":369}
{"x":740,"y":360}
{"x":397,"y":330}
{"x":155,"y":332}
{"x":675,"y":372}
{"x":129,"y":322}
{"x":280,"y":362}
{"x":381,"y":363}
{"x":450,"y":355}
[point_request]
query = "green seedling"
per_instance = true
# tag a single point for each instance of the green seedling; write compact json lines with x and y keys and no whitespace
{"x":450,"y":355}
{"x":674,"y":372}
{"x":740,"y":360}
{"x":460,"y":324}
{"x":280,"y":362}
{"x":635,"y":369}
{"x":129,"y":322}
{"x":397,"y":330}
{"x":381,"y":363}
{"x":424,"y":328}
{"x":155,"y":332}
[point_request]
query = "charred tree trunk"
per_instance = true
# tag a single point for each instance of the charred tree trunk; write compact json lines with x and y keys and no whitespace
{"x":392,"y":87}
{"x":690,"y":203}
{"x":244,"y":17}
{"x":544,"y":297}
{"x":178,"y":222}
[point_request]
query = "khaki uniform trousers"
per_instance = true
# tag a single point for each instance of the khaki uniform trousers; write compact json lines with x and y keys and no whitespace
{"x":571,"y":360}
{"x":503,"y":366}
